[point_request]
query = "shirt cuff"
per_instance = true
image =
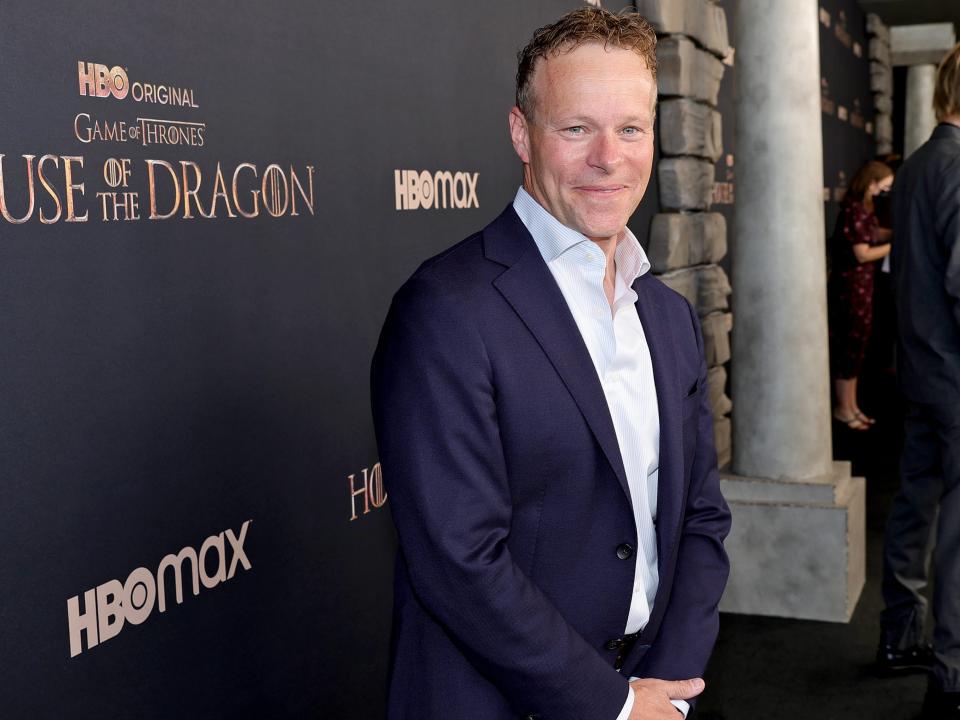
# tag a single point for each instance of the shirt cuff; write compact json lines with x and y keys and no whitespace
{"x":681,"y":705}
{"x":628,"y":705}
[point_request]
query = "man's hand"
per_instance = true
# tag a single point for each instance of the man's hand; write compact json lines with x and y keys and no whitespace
{"x":652,"y":697}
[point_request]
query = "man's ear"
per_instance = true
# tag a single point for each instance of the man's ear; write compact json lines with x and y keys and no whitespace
{"x":520,"y":134}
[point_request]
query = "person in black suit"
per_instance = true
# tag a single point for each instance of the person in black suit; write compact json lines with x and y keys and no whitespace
{"x":926,"y":283}
{"x":544,"y":427}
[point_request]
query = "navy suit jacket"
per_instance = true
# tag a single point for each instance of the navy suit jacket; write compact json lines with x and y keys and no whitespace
{"x":510,"y":498}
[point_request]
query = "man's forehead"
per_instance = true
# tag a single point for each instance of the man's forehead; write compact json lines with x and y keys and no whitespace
{"x":596,"y":75}
{"x":590,"y":54}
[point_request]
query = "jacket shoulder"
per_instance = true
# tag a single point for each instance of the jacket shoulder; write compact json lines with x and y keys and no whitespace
{"x":459,"y":275}
{"x":471,"y":264}
{"x":938,"y":157}
{"x":454,"y":262}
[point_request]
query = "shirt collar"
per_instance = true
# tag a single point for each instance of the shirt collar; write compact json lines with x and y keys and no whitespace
{"x":553,"y":238}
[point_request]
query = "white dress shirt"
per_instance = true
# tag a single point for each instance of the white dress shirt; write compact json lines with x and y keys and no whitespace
{"x":618,"y":348}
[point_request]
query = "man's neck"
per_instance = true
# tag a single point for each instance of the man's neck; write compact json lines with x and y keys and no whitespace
{"x":609,"y":247}
{"x":951,"y":120}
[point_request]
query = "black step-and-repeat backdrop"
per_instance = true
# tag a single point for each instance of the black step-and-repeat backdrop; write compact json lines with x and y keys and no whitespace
{"x":204,"y":211}
{"x":846,"y":102}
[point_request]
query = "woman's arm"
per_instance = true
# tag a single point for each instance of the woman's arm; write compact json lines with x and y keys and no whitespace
{"x":870,"y":253}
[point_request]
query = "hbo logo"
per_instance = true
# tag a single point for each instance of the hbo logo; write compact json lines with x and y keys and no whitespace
{"x":99,"y":81}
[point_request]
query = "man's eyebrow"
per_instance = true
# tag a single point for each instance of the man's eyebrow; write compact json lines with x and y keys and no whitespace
{"x":568,"y":121}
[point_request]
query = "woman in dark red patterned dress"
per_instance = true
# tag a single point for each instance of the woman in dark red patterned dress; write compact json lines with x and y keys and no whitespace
{"x":855,"y":247}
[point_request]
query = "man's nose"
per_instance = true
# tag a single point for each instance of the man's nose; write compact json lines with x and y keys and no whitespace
{"x":604,"y":152}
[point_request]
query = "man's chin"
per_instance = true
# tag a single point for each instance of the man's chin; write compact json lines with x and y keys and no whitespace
{"x":603,"y":231}
{"x":605,"y":223}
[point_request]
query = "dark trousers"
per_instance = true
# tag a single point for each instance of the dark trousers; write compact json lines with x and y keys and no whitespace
{"x":930,"y":486}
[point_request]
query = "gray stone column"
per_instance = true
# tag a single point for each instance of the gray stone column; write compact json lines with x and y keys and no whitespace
{"x":797,"y":545}
{"x":921,"y":48}
{"x":781,"y":380}
{"x":919,"y":119}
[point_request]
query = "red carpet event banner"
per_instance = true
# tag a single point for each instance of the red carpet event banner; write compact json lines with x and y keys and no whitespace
{"x":205,"y":209}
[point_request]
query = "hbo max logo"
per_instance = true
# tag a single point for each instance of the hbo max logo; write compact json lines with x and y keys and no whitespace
{"x":416,"y":189}
{"x":111,"y":604}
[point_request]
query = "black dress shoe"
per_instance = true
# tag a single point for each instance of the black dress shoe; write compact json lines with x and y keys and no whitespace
{"x":893,"y":661}
{"x":939,"y":705}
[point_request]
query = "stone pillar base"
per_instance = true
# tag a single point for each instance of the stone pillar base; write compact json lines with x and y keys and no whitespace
{"x":797,"y":548}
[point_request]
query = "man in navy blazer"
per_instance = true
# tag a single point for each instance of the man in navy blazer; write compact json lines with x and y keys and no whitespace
{"x":542,"y":416}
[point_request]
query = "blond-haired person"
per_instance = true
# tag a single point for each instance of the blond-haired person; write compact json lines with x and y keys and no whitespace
{"x":926,"y":282}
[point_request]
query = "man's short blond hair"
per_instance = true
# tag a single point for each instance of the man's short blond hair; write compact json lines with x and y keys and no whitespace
{"x":625,"y":30}
{"x":946,"y":94}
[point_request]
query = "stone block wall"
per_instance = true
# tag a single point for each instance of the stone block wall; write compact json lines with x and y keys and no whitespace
{"x":881,"y":82}
{"x":686,"y":239}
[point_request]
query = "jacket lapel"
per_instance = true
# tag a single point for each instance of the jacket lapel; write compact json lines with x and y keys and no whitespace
{"x":531,"y":290}
{"x":657,"y":328}
{"x":529,"y":287}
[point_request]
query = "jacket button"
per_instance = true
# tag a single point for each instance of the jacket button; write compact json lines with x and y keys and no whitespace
{"x":625,"y":551}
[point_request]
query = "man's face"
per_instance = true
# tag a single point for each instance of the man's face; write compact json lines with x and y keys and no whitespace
{"x":588,"y":147}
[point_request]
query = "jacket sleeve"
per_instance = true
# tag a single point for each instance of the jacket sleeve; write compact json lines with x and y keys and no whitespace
{"x":691,"y":621}
{"x":948,"y":229}
{"x":435,"y":415}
